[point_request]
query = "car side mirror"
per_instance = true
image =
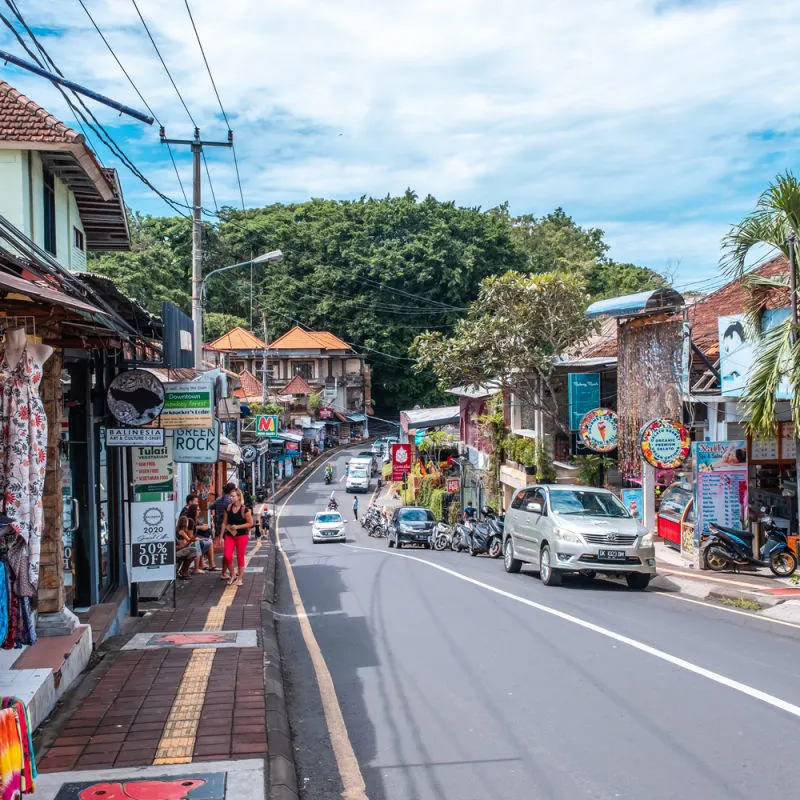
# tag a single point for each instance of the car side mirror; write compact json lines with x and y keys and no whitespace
{"x":534,"y":508}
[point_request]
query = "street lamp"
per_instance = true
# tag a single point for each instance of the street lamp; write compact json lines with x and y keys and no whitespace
{"x":197,"y":317}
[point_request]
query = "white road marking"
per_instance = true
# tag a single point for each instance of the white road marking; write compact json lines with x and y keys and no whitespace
{"x":723,"y":680}
{"x":757,"y":617}
{"x":308,"y":614}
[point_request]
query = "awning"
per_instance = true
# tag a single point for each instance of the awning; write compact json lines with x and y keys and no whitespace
{"x":229,"y":451}
{"x":290,"y":437}
{"x":428,"y":417}
{"x":639,"y":303}
{"x":34,"y":290}
{"x":357,"y":417}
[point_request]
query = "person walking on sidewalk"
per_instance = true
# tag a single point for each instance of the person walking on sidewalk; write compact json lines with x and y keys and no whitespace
{"x":355,"y":508}
{"x":219,"y":506}
{"x":237,"y":523}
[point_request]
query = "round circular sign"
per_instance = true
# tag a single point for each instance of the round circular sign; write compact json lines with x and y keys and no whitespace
{"x":135,"y":397}
{"x":665,"y":443}
{"x":153,"y":516}
{"x":598,"y":430}
{"x":249,"y":453}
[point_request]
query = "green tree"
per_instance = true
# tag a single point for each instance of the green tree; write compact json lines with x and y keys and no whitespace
{"x":216,"y":323}
{"x":775,"y":222}
{"x":512,"y":334}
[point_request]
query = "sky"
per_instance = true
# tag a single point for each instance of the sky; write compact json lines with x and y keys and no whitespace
{"x":659,"y":121}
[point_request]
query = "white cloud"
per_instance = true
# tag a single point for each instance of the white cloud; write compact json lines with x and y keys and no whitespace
{"x":633,"y":115}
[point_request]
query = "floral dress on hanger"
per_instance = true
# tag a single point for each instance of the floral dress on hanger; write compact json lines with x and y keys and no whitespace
{"x":23,"y":457}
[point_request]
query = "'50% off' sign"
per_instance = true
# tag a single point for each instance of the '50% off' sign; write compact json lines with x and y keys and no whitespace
{"x":152,"y":542}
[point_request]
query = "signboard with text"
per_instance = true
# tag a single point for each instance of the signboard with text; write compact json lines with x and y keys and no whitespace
{"x":267,"y":425}
{"x":453,"y":485}
{"x":134,"y":437}
{"x":196,"y":445}
{"x":153,"y":469}
{"x":401,"y":461}
{"x":326,"y":413}
{"x":720,"y":485}
{"x":152,"y":542}
{"x":583,"y":391}
{"x":187,"y":405}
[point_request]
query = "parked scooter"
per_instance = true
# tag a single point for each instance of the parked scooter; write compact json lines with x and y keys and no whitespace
{"x":729,"y":548}
{"x":441,"y":537}
{"x":461,"y":536}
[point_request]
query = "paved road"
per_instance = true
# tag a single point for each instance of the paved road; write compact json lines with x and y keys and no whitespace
{"x":465,"y":683}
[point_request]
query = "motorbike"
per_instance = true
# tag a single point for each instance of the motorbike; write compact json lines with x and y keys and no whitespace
{"x":727,"y":548}
{"x":328,"y":477}
{"x":371,"y":519}
{"x":441,"y":537}
{"x":486,"y":537}
{"x":461,"y":536}
{"x":333,"y":505}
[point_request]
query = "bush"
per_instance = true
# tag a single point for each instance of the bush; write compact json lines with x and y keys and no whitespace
{"x":545,"y":471}
{"x":437,"y":503}
{"x":453,"y":512}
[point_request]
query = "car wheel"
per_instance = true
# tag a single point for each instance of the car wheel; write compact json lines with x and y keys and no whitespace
{"x":638,"y":581}
{"x":510,"y":563}
{"x":548,"y":575}
{"x":398,"y":544}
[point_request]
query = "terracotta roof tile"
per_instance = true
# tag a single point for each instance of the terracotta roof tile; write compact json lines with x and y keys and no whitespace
{"x":237,"y":339}
{"x":297,"y":385}
{"x":251,"y":387}
{"x":299,"y":339}
{"x":22,"y":120}
{"x":330,"y":341}
{"x":732,"y":299}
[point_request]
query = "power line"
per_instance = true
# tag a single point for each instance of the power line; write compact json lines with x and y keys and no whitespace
{"x":164,"y":64}
{"x":210,"y":184}
{"x":413,"y":296}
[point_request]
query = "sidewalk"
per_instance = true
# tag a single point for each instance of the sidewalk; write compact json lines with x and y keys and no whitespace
{"x":188,"y":687}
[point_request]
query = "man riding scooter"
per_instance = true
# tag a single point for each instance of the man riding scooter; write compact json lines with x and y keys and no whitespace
{"x":328,"y":473}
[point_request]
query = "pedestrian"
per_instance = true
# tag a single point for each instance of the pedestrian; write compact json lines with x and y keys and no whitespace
{"x":219,"y":507}
{"x":237,"y":522}
{"x":469,"y":512}
{"x":201,"y":533}
{"x":186,"y":549}
{"x":355,"y":508}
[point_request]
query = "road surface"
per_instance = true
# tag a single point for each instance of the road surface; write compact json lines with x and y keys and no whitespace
{"x":456,"y":681}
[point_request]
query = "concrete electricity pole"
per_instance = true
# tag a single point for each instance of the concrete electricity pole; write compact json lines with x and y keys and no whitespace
{"x":197,"y":145}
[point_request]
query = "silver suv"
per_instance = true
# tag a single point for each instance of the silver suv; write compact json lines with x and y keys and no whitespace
{"x":576,"y":529}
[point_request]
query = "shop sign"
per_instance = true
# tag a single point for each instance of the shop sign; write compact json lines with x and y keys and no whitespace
{"x":583,"y":391}
{"x":401,"y":461}
{"x":153,"y":469}
{"x":152,"y":542}
{"x":292,"y":447}
{"x":188,"y":405}
{"x":633,"y":500}
{"x":419,"y":436}
{"x":135,"y":397}
{"x":267,"y":425}
{"x":196,"y":445}
{"x":134,"y":437}
{"x":664,"y":443}
{"x":720,"y":479}
{"x":326,"y":413}
{"x":249,"y":453}
{"x":453,"y":485}
{"x":598,"y":430}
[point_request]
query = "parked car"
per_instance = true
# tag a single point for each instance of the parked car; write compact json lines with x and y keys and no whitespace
{"x":562,"y":529}
{"x":411,"y":525}
{"x":327,"y":526}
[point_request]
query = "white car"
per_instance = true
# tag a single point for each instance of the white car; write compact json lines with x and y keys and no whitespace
{"x":357,"y":478}
{"x":328,"y":526}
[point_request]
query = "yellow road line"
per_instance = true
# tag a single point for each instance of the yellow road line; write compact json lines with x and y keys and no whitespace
{"x":176,"y":745}
{"x":349,"y":770}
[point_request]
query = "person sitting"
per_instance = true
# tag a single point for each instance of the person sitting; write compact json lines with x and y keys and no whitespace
{"x":329,"y":471}
{"x":186,"y":549}
{"x":201,"y":532}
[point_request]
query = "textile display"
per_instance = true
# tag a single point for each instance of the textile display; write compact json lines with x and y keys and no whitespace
{"x":17,"y":761}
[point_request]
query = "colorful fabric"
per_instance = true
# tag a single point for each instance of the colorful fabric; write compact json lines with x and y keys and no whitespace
{"x":11,"y":759}
{"x":29,"y":771}
{"x":23,"y":452}
{"x":3,"y":602}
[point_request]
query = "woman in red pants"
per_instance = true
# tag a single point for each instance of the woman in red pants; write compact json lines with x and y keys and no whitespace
{"x":236,"y":524}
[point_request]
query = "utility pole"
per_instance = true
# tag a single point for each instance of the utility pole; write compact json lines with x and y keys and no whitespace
{"x":197,"y":145}
{"x":265,"y":373}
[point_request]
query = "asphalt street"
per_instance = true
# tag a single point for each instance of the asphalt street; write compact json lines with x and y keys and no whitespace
{"x":457,"y":681}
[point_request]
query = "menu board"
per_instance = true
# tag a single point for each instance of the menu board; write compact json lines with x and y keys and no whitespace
{"x":720,"y":471}
{"x":763,"y":450}
{"x":788,"y":443}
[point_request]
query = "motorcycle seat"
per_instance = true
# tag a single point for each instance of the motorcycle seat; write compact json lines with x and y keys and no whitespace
{"x":746,"y":535}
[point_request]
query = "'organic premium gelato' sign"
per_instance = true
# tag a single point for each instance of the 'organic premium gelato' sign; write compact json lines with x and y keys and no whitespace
{"x":665,"y":443}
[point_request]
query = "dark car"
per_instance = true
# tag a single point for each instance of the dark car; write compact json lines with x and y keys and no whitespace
{"x":369,"y":454}
{"x":411,"y":525}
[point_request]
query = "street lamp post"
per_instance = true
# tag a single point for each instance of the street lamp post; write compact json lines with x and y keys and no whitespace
{"x":197,"y":311}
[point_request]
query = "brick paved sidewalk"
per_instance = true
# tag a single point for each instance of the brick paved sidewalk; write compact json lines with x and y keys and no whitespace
{"x":176,"y":701}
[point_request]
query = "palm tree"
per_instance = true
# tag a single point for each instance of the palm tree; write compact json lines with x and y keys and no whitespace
{"x":775,"y":223}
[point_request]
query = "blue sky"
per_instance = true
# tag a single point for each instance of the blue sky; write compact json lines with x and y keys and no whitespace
{"x":660,"y":122}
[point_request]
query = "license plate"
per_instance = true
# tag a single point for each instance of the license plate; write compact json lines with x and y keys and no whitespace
{"x":613,"y":555}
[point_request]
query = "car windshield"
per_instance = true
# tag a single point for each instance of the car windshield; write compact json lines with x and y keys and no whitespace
{"x":327,"y":518}
{"x":416,"y":515}
{"x":594,"y":504}
{"x":358,"y":472}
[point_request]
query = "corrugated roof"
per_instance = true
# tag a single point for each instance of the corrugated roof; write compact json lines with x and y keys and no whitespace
{"x":297,"y":386}
{"x":238,"y":339}
{"x":631,"y":304}
{"x":299,"y":339}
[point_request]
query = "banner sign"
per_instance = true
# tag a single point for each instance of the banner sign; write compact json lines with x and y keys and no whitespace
{"x":584,"y":395}
{"x":326,"y":413}
{"x":720,"y":485}
{"x":453,"y":485}
{"x":134,"y":437}
{"x":419,"y":436}
{"x":196,"y":445}
{"x":401,"y":461}
{"x":664,"y":443}
{"x":598,"y":430}
{"x":152,"y":542}
{"x":292,"y":447}
{"x":633,"y":500}
{"x":153,"y":469}
{"x":135,"y":397}
{"x":267,"y":425}
{"x":187,"y":405}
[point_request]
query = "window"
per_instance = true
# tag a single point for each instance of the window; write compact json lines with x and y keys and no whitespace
{"x":304,"y":368}
{"x":516,"y":503}
{"x":49,"y":197}
{"x":533,"y":496}
{"x":78,"y":239}
{"x":593,"y":504}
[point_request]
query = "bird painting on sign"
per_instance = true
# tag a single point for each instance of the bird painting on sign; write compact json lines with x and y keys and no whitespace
{"x":135,"y":397}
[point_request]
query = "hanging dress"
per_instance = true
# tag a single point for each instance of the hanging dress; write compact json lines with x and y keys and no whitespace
{"x":23,"y":456}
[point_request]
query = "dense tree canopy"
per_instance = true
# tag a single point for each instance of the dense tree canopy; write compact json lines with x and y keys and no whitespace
{"x":376,"y":272}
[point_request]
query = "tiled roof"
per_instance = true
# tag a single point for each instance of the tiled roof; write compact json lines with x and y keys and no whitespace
{"x":733,"y":299}
{"x":297,"y":386}
{"x":250,"y":386}
{"x":237,"y":339}
{"x":23,"y":120}
{"x":299,"y":339}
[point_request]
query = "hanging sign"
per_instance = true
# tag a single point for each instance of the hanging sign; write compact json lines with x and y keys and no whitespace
{"x":292,"y":447}
{"x":419,"y":436}
{"x":196,"y":445}
{"x":453,"y":485}
{"x":187,"y":405}
{"x":135,"y":397}
{"x":152,"y":542}
{"x":153,"y":469}
{"x":664,"y":443}
{"x":267,"y":425}
{"x":598,"y":430}
{"x":583,"y":391}
{"x":249,"y":453}
{"x":401,"y":461}
{"x":326,"y":413}
{"x":134,"y":437}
